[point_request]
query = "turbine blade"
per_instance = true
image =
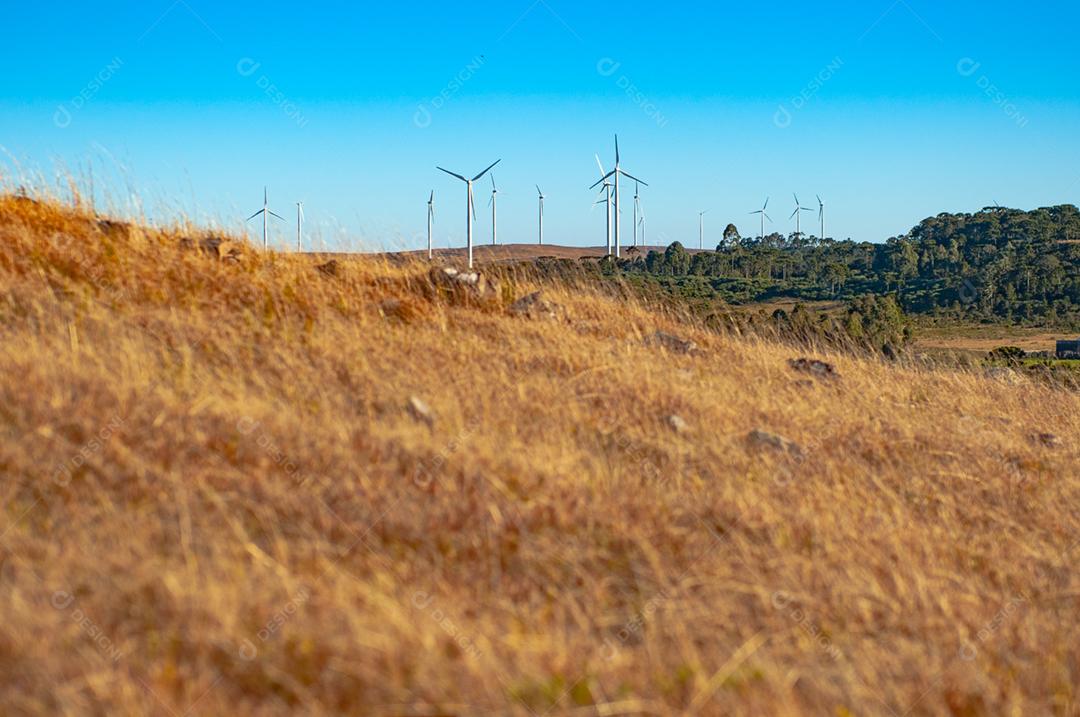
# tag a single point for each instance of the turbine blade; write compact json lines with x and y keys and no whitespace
{"x":630,"y":176}
{"x":768,"y":217}
{"x":616,"y":150}
{"x":766,"y":203}
{"x":603,"y":179}
{"x":486,"y":170}
{"x":794,"y":213}
{"x":452,"y":174}
{"x":600,"y":164}
{"x":254,"y":215}
{"x":493,"y":183}
{"x":278,"y":216}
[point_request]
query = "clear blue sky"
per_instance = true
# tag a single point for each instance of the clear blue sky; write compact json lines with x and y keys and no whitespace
{"x":892,"y":110}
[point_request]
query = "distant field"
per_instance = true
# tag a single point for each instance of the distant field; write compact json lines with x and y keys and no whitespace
{"x":486,"y":253}
{"x":986,"y":338}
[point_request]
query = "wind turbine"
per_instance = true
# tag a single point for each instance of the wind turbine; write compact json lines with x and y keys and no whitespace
{"x":637,"y":208}
{"x":799,"y":208}
{"x":541,"y":195}
{"x":821,"y":216}
{"x":265,"y":211}
{"x":616,"y":173}
{"x":430,"y":221}
{"x":494,"y":204}
{"x":299,"y":226}
{"x":470,"y":208}
{"x":764,"y":216}
{"x":606,"y":191}
{"x":701,"y":229}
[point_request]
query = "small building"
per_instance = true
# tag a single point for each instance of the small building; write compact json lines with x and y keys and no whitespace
{"x":1068,"y":349}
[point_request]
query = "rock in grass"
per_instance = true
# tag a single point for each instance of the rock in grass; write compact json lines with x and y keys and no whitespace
{"x":1048,"y":440}
{"x":535,"y":306}
{"x":814,"y":367}
{"x":675,"y":344}
{"x":678,"y":425}
{"x":763,"y":440}
{"x":330,"y":268}
{"x":463,"y":286}
{"x":422,"y":412}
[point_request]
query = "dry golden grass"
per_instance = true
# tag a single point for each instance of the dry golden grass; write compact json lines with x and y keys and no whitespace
{"x":218,"y":500}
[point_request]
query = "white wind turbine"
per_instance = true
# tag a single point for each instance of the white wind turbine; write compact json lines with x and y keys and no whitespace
{"x":764,"y":216}
{"x":299,"y":226}
{"x":701,"y":229}
{"x":266,"y":213}
{"x":606,"y":191}
{"x":541,"y":196}
{"x":821,"y":216}
{"x":494,"y":204}
{"x":616,"y":173}
{"x":637,"y":209}
{"x":799,"y":209}
{"x":470,"y":208}
{"x":430,"y":221}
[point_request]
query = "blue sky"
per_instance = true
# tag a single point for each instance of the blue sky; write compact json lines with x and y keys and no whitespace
{"x":891,"y":110}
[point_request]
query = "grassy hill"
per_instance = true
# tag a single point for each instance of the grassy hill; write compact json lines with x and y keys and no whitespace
{"x":233,"y":483}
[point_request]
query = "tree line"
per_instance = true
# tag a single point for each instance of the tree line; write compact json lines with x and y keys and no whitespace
{"x":995,"y":264}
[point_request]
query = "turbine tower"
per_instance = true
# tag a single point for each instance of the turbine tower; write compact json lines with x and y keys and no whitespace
{"x":541,"y":195}
{"x":299,"y":226}
{"x":821,"y":217}
{"x":266,"y":213}
{"x":701,"y":229}
{"x":641,"y":223}
{"x":637,"y":209}
{"x":764,"y":216}
{"x":470,"y":208}
{"x":799,"y":208}
{"x":494,"y":204}
{"x":606,"y":191}
{"x":616,"y":173}
{"x":430,"y":221}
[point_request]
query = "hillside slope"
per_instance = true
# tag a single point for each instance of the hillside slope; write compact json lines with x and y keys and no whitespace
{"x":252,"y":487}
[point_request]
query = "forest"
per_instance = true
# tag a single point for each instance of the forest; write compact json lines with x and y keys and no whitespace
{"x":996,"y":265}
